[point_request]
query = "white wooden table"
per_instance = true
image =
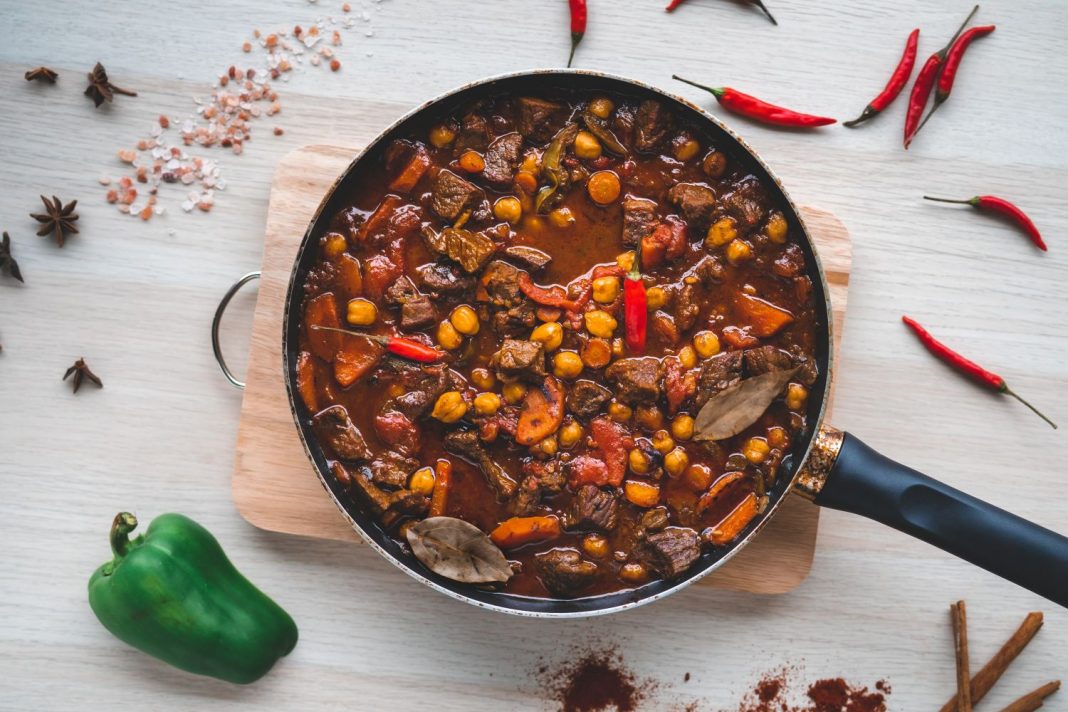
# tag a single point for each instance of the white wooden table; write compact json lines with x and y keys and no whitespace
{"x":136,"y":300}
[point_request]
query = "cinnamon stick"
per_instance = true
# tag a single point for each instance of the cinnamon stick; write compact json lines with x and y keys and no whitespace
{"x":985,"y":679}
{"x":958,"y":613}
{"x":1033,"y":700}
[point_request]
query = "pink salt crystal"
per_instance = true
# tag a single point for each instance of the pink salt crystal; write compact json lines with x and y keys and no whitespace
{"x":127,"y":156}
{"x":278,"y":131}
{"x":164,"y":121}
{"x":104,"y":180}
{"x":146,"y":212}
{"x":247,"y":47}
{"x":113,"y":195}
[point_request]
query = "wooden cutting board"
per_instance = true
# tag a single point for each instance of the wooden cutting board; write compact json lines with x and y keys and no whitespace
{"x":274,"y":485}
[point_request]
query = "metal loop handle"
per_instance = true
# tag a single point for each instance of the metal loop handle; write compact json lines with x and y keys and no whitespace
{"x":223,"y":303}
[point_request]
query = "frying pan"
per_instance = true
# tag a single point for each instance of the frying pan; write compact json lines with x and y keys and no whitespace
{"x":830,"y":468}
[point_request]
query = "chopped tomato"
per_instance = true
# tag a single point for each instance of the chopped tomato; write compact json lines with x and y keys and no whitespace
{"x":378,"y":273}
{"x":554,"y":296}
{"x":764,"y":318}
{"x":322,"y":311}
{"x":667,"y":241}
{"x":356,"y":357}
{"x":378,"y":220}
{"x":542,"y":412}
{"x":397,"y":431}
{"x":679,"y":384}
{"x":653,"y":248}
{"x":586,"y":470}
{"x":613,"y":441}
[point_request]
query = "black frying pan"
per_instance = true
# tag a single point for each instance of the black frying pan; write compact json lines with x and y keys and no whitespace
{"x":831,"y":468}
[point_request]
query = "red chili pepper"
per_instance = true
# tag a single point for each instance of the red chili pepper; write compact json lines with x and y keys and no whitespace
{"x":994,"y":204}
{"x":759,"y":3}
{"x":635,"y":309}
{"x":966,"y":366}
{"x":578,"y":25}
{"x":397,"y":345}
{"x":553,"y":296}
{"x":754,"y":108}
{"x":949,"y":73}
{"x":897,"y":82}
{"x":925,"y":82}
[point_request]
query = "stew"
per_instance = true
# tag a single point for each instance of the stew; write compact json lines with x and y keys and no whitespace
{"x":515,"y":237}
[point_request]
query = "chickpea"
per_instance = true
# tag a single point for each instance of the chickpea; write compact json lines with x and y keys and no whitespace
{"x":448,"y":337}
{"x":685,"y":148}
{"x":688,"y":356}
{"x":441,"y":136}
{"x":449,"y":407}
{"x":334,"y":244}
{"x":600,"y":323}
{"x":655,"y":298}
{"x":534,"y":223}
{"x":570,"y":434}
{"x":682,"y":427}
{"x":796,"y":395}
{"x":586,"y":145}
{"x":508,"y":209}
{"x":550,"y":335}
{"x":483,"y":378}
{"x":777,"y":436}
{"x":595,"y":545}
{"x":544,"y":448}
{"x":649,"y":417}
{"x":567,"y":364}
{"x":619,"y":412}
{"x":531,"y":163}
{"x":464,"y":320}
{"x":562,"y":217}
{"x":676,"y":461}
{"x":487,"y":403}
{"x":604,"y":187}
{"x":422,"y":481}
{"x":641,"y":494}
{"x":714,"y":164}
{"x":513,"y":392}
{"x":776,"y":227}
{"x":706,"y":344}
{"x":471,"y":162}
{"x":619,"y":349}
{"x":361,"y":312}
{"x":625,"y":260}
{"x":739,"y":251}
{"x":606,"y":290}
{"x":663,"y":441}
{"x":633,"y":572}
{"x":721,"y":232}
{"x":755,"y":450}
{"x":602,"y":107}
{"x":698,"y":477}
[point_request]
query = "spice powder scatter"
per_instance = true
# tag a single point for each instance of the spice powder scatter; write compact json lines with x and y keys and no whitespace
{"x":225,"y":119}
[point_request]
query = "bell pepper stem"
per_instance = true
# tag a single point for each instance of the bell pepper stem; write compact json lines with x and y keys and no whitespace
{"x":121,"y":527}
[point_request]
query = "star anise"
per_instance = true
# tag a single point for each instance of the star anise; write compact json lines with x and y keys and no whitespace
{"x":81,"y":371}
{"x":59,"y":219}
{"x":7,"y":262}
{"x":100,"y":89}
{"x":41,"y":74}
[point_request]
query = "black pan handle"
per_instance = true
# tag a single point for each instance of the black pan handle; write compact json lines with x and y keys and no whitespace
{"x":864,"y":482}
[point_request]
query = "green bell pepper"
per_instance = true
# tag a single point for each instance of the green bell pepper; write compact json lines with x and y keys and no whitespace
{"x":172,"y":593}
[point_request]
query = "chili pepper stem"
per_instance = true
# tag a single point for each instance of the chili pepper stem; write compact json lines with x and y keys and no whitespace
{"x":926,"y":118}
{"x":717,"y":91}
{"x":760,"y":4}
{"x":575,"y":37}
{"x":1008,"y":391}
{"x":868,"y":113}
{"x":121,"y":526}
{"x":969,"y":201}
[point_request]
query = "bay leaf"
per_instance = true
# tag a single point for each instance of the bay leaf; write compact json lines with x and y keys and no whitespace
{"x":458,"y":550}
{"x":736,"y":407}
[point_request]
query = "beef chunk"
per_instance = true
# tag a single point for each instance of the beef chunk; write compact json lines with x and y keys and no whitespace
{"x":639,"y":220}
{"x":416,"y":309}
{"x":421,"y":388}
{"x":670,"y":552}
{"x":538,"y":119}
{"x":402,"y":501}
{"x":594,"y":508}
{"x":695,"y":201}
{"x":766,"y":358}
{"x":475,"y":132}
{"x":501,"y":281}
{"x":549,"y":473}
{"x":440,"y":279}
{"x":717,"y":373}
{"x":747,"y":203}
{"x":564,"y":572}
{"x":392,"y":469}
{"x":470,"y":249}
{"x":466,"y":444}
{"x":790,"y":263}
{"x":527,"y":498}
{"x":501,"y":159}
{"x":637,"y":380}
{"x":451,"y":194}
{"x":653,"y":123}
{"x":586,"y":398}
{"x":654,"y":520}
{"x":532,"y":257}
{"x":518,"y":357}
{"x":709,"y":270}
{"x":686,"y":307}
{"x":334,"y":427}
{"x":516,"y":321}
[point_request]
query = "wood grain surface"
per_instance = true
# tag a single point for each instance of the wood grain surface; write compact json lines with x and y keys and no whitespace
{"x":274,"y":485}
{"x":135,"y":299}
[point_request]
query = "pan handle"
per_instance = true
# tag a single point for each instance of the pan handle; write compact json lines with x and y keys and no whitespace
{"x":864,"y":482}
{"x":215,"y":347}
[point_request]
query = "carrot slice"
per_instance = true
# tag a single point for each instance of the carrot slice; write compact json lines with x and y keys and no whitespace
{"x":322,"y":311}
{"x":542,"y":412}
{"x":356,"y":357}
{"x":596,"y":353}
{"x":442,"y":483}
{"x":764,"y":318}
{"x":736,"y":521}
{"x":524,"y":530}
{"x":306,"y":381}
{"x":412,"y":172}
{"x":722,"y":483}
